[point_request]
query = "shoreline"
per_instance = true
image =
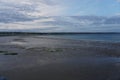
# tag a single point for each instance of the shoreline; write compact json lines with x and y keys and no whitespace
{"x":44,"y":58}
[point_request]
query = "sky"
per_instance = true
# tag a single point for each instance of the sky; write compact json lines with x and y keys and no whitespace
{"x":60,"y":15}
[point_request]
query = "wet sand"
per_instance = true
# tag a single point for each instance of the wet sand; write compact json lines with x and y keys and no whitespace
{"x":45,"y":58}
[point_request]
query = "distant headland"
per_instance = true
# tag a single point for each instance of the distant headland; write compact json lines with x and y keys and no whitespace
{"x":52,"y":33}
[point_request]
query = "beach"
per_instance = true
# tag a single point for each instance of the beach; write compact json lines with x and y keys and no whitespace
{"x":48,"y":58}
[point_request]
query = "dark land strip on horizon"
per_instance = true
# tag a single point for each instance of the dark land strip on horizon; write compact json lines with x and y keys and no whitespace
{"x":52,"y":33}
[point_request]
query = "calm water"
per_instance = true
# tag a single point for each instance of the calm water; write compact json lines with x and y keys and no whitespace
{"x":97,"y":37}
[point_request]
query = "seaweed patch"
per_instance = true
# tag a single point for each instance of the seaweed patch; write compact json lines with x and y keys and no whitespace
{"x":8,"y":53}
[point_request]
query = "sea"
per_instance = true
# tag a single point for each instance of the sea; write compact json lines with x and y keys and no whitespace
{"x":95,"y":37}
{"x":108,"y":37}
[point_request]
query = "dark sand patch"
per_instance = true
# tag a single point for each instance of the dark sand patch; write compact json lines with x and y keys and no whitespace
{"x":7,"y":53}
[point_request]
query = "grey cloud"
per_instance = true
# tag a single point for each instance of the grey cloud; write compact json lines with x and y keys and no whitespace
{"x":51,"y":29}
{"x":74,"y":23}
{"x":15,"y":12}
{"x":47,"y":2}
{"x":77,"y":21}
{"x":99,"y":20}
{"x":8,"y":15}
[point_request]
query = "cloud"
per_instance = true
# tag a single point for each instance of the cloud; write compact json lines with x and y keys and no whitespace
{"x":118,"y":0}
{"x":117,"y":14}
{"x":67,"y":24}
{"x":34,"y":15}
{"x":32,"y":26}
{"x":27,"y":10}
